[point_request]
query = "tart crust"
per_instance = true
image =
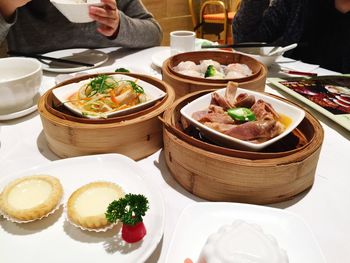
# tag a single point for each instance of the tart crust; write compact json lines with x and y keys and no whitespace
{"x":44,"y":207}
{"x":92,"y":221}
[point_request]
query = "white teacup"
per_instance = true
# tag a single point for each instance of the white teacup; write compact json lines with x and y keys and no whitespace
{"x":182,"y":41}
{"x":20,"y":80}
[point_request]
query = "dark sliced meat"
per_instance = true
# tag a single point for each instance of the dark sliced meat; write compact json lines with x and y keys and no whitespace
{"x":256,"y":130}
{"x":199,"y":114}
{"x":216,"y":117}
{"x":264,"y":111}
{"x":215,"y":108}
{"x":245,"y":100}
{"x":218,"y":100}
{"x":220,"y":127}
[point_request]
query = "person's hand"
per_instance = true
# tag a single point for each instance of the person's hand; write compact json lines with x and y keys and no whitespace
{"x":107,"y":16}
{"x":7,"y":8}
{"x":342,"y":6}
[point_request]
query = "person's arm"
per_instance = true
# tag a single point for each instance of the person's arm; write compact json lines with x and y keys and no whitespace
{"x":7,"y":15}
{"x":256,"y":20}
{"x":129,"y":25}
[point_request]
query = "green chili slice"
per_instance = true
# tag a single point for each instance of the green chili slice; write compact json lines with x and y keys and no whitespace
{"x":241,"y":114}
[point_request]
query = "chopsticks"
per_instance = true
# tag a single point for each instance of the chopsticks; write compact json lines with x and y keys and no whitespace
{"x":301,"y":73}
{"x":240,"y":45}
{"x":68,"y":61}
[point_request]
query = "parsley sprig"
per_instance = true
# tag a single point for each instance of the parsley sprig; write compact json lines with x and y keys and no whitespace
{"x":129,"y":210}
{"x":122,"y":70}
{"x":101,"y":83}
{"x":135,"y":87}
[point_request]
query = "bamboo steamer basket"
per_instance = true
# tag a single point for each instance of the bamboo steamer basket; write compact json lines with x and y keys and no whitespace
{"x":220,"y":174}
{"x":185,"y":84}
{"x":135,"y":135}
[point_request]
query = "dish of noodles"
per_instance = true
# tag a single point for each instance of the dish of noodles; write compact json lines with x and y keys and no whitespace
{"x":108,"y":95}
{"x":242,"y":119}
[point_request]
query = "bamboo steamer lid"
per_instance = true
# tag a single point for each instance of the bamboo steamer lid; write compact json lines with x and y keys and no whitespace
{"x":135,"y":135}
{"x":185,"y":84}
{"x":240,"y":176}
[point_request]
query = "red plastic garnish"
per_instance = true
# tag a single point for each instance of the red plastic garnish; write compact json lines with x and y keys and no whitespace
{"x":133,"y":233}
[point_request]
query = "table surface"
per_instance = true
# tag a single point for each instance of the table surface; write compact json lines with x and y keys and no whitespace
{"x":325,"y":207}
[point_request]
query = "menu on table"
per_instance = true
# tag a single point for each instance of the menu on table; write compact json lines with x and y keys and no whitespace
{"x":329,"y":95}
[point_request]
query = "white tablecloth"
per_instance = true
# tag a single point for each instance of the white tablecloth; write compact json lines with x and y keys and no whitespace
{"x":326,"y":207}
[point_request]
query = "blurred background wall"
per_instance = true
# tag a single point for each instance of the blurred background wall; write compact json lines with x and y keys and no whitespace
{"x":171,"y":15}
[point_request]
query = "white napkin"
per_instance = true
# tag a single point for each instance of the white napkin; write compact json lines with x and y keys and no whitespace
{"x":299,"y":66}
{"x":292,"y":64}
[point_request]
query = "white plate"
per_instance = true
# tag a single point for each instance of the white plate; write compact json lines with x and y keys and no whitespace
{"x":199,"y":220}
{"x":90,"y":56}
{"x":202,"y":103}
{"x":55,"y":240}
{"x":21,"y":113}
{"x":159,"y":57}
{"x":154,"y":94}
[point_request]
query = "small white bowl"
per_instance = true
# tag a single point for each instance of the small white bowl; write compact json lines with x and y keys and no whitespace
{"x":74,"y":10}
{"x":152,"y":92}
{"x":260,"y":54}
{"x":20,"y":80}
{"x":296,"y":114}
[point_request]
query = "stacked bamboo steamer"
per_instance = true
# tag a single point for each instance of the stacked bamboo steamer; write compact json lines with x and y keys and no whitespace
{"x":186,"y":84}
{"x":217,"y":173}
{"x":135,"y":135}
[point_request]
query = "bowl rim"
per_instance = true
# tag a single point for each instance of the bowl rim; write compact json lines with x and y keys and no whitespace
{"x":35,"y":61}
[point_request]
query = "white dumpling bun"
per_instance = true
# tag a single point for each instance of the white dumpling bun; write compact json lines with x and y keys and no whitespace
{"x":186,"y":65}
{"x":234,"y":75}
{"x":205,"y":63}
{"x":240,"y":68}
{"x":192,"y":73}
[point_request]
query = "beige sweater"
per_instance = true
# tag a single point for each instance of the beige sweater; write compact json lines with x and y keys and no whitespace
{"x":39,"y":27}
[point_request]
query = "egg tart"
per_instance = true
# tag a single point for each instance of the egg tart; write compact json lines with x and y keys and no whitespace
{"x":31,"y":197}
{"x":86,"y":207}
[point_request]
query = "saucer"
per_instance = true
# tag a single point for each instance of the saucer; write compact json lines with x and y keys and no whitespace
{"x":21,"y":113}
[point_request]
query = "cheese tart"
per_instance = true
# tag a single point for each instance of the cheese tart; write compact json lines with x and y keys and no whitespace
{"x":31,"y":197}
{"x":86,"y":207}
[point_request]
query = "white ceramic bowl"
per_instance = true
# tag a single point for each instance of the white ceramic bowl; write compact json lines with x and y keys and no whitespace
{"x":76,"y":11}
{"x":294,"y":113}
{"x":260,"y":54}
{"x":20,"y":80}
